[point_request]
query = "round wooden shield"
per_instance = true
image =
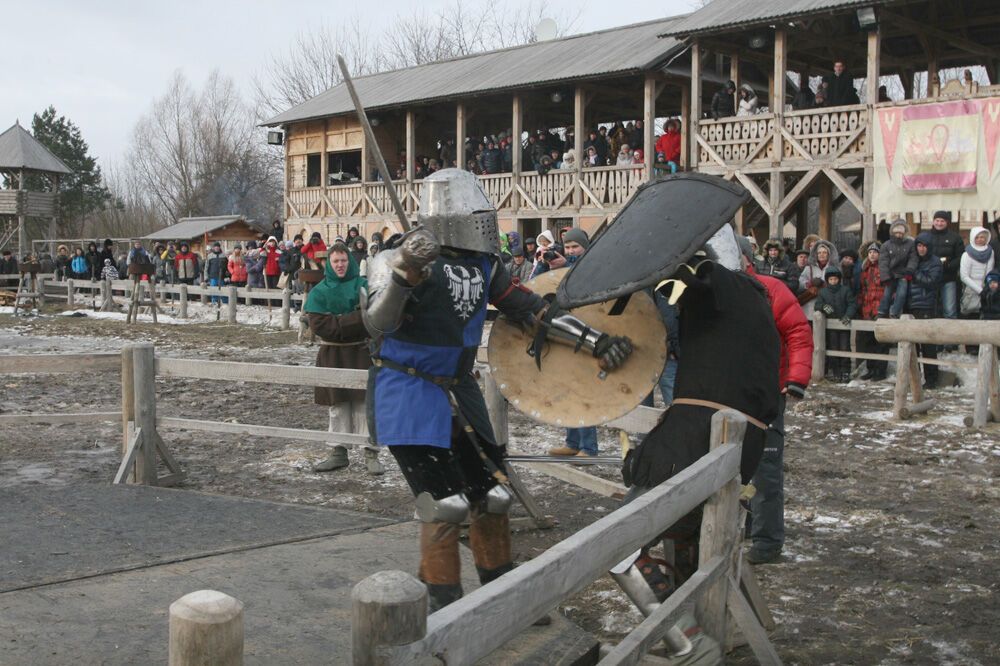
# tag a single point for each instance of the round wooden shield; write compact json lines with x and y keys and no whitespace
{"x":570,"y":390}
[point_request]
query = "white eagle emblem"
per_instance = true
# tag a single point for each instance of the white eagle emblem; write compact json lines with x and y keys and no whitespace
{"x":466,"y":288}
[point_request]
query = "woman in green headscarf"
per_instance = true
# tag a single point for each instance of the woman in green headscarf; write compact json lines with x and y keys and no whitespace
{"x":332,"y":309}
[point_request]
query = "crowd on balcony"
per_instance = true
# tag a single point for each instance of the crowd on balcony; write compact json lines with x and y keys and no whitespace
{"x":618,"y":144}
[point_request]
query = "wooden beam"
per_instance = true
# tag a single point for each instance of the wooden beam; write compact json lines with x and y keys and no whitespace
{"x":579,"y":130}
{"x":59,"y":363}
{"x":938,"y":331}
{"x":777,"y":192}
{"x":751,"y":628}
{"x":845,"y":187}
{"x":517,"y":117}
{"x":755,"y":191}
{"x":950,"y":38}
{"x":648,"y":123}
{"x":52,"y":419}
{"x":695,"y":101}
{"x":289,"y":375}
{"x":460,"y":132}
{"x":780,"y":53}
{"x":346,"y":439}
{"x":685,"y":129}
{"x":825,"y":208}
{"x":797,"y":191}
{"x":411,"y":147}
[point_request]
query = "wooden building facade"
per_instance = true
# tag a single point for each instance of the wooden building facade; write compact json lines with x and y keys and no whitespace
{"x":200,"y":233}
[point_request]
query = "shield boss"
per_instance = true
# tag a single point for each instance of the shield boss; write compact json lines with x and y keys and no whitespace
{"x":571,"y":391}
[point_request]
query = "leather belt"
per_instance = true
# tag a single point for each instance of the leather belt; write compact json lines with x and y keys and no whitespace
{"x":718,"y":406}
{"x":324,"y":343}
{"x":445,"y":382}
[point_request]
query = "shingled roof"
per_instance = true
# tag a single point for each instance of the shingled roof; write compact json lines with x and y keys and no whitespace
{"x":720,"y":15}
{"x":193,"y":227}
{"x":630,"y":48}
{"x":20,"y":150}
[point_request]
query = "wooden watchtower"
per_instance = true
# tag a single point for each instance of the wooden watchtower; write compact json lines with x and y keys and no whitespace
{"x":22,"y":156}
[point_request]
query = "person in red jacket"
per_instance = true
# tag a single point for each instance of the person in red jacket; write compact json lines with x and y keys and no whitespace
{"x":669,"y":145}
{"x":272,"y":267}
{"x":314,"y":245}
{"x":767,"y":508}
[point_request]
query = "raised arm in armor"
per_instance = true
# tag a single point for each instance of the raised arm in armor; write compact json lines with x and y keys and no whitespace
{"x":392,"y":276}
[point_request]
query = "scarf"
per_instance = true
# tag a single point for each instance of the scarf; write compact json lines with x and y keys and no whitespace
{"x":335,"y":295}
{"x":983,"y":255}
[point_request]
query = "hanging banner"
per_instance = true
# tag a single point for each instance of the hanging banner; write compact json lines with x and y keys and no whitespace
{"x":939,"y":155}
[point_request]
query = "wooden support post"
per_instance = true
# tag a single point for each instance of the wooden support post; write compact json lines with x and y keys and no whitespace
{"x":40,"y":289}
{"x":985,"y":372}
{"x":648,"y":123}
{"x":460,"y":133}
{"x":720,"y":531}
{"x":734,"y":75}
{"x":579,"y":132}
{"x":286,"y":309}
{"x":184,"y":301}
{"x":904,"y":354}
{"x":685,"y":130}
{"x":776,"y":194}
{"x":411,"y":149}
{"x":387,"y":608}
{"x":128,"y":397}
{"x":206,"y":629}
{"x":144,"y":374}
{"x":995,"y":388}
{"x":825,"y":207}
{"x":819,"y":346}
{"x":231,"y":313}
{"x":517,"y":117}
{"x":874,"y":68}
{"x":70,"y":300}
{"x":871,"y":94}
{"x":777,"y":103}
{"x":695,"y":103}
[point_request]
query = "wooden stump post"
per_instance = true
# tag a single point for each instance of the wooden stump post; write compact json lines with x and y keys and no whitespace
{"x":819,"y":346}
{"x":128,"y":397}
{"x":205,"y":300}
{"x":144,"y":374}
{"x":985,"y":382}
{"x":70,"y":300}
{"x":184,"y":301}
{"x":40,"y":286}
{"x":387,"y":608}
{"x":720,"y":528}
{"x":286,"y":309}
{"x":206,"y":629}
{"x":232,"y":305}
{"x":904,"y":367}
{"x":105,"y":296}
{"x":249,"y":298}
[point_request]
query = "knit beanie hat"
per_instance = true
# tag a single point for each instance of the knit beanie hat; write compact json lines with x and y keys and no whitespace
{"x":943,"y":214}
{"x":578,"y":236}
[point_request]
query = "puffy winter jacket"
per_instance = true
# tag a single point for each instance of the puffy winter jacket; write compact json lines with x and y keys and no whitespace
{"x":187,"y":265}
{"x":840,"y":298}
{"x":989,"y":301}
{"x":795,"y":333}
{"x":237,"y":268}
{"x":926,"y":283}
{"x":781,"y":268}
{"x":215,"y":267}
{"x":971,"y":270}
{"x":255,"y":269}
{"x":897,"y":259}
{"x":947,"y":245}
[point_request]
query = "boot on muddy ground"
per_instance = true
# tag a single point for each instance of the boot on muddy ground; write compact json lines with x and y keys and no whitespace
{"x":372,"y":463}
{"x":336,"y":460}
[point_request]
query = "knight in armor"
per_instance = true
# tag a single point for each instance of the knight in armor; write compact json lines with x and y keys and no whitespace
{"x":425,"y":307}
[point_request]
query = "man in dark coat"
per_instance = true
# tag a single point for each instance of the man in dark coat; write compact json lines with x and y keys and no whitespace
{"x":723,"y":102}
{"x":839,"y":87}
{"x":778,"y":266}
{"x":923,"y":297}
{"x":948,"y":246}
{"x":716,"y":302}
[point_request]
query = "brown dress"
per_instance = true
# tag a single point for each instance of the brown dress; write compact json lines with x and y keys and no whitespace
{"x":349,"y":350}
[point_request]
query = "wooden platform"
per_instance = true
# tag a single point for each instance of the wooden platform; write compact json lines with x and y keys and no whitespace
{"x":87,"y":574}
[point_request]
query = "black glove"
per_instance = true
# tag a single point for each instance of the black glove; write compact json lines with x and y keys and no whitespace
{"x":827,"y":310}
{"x":846,"y":321}
{"x":612,"y":350}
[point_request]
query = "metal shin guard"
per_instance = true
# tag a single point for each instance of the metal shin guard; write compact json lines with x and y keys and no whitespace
{"x":440,"y":566}
{"x":635,"y":587}
{"x":489,"y":537}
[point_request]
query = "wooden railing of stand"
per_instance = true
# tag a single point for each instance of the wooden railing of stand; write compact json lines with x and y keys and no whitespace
{"x":401,"y":632}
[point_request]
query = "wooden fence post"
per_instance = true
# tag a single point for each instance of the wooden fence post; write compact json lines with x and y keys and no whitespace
{"x":232,"y":305}
{"x":904,"y":367}
{"x":184,"y":301}
{"x":70,"y":301}
{"x":286,"y":308}
{"x":204,"y":294}
{"x":819,"y":346}
{"x":128,"y":396}
{"x":206,"y":629}
{"x":720,"y":529}
{"x":144,"y":375}
{"x":387,"y":608}
{"x":994,"y":386}
{"x":40,"y":286}
{"x":249,"y":299}
{"x":985,"y":382}
{"x":105,"y":296}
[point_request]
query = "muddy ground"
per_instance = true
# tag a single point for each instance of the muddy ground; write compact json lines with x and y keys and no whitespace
{"x":891,"y":554}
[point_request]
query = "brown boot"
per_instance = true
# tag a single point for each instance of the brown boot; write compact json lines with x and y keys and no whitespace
{"x":440,"y":566}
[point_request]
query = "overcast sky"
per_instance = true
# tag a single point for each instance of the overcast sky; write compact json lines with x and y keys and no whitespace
{"x":102,"y":62}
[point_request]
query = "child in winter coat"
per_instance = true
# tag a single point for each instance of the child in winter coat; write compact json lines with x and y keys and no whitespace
{"x":837,"y":301}
{"x":896,"y":264}
{"x":989,"y":297}
{"x":109,"y":272}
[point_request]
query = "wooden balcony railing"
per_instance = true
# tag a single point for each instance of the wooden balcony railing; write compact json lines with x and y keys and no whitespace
{"x":601,"y":188}
{"x":826,"y":132}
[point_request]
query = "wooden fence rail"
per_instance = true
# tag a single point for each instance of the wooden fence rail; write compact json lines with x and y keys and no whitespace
{"x":474,"y":626}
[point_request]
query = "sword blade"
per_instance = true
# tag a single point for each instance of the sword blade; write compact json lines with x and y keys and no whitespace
{"x":372,"y":146}
{"x":569,"y":460}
